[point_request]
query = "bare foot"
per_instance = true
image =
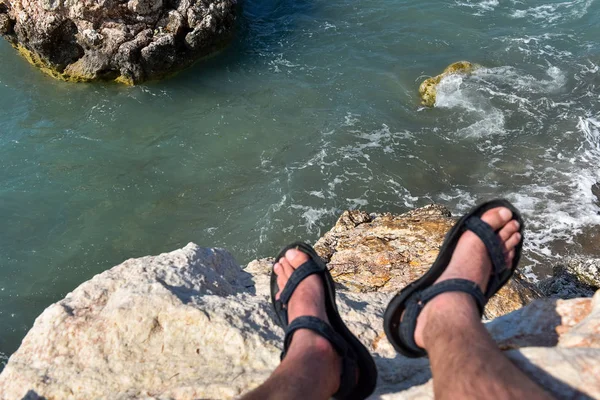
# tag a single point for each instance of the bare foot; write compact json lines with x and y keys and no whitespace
{"x":307,"y":300}
{"x":470,"y":261}
{"x":309,"y":296}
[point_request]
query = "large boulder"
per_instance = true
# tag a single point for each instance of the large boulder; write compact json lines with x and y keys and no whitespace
{"x":428,"y":88}
{"x":193,"y":324}
{"x":385,"y":252}
{"x":126,"y":41}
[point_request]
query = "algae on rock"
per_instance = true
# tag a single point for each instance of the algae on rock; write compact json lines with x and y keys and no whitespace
{"x":428,"y":89}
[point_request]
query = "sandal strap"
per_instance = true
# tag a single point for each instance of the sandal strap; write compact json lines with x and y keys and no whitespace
{"x":417,"y":302}
{"x":349,"y":358}
{"x":490,"y":239}
{"x":301,"y":273}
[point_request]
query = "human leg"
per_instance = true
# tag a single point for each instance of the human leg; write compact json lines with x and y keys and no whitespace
{"x":311,"y":368}
{"x":465,"y":361}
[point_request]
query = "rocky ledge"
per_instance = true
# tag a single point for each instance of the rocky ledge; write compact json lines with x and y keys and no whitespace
{"x":129,"y":41}
{"x":194,"y":324}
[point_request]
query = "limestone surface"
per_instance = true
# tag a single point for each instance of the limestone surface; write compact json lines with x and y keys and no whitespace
{"x":428,"y":89}
{"x":129,"y":41}
{"x":193,"y":324}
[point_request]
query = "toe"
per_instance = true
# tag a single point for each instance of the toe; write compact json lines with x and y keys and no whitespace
{"x":508,"y":230}
{"x":295,"y":257}
{"x":282,"y":278}
{"x":497,"y":217}
{"x":512,"y":241}
{"x":509,"y":257}
{"x":288,"y":270}
{"x":278,"y":269}
{"x":281,"y":281}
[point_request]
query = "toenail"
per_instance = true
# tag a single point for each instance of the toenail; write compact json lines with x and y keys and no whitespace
{"x":505,"y":214}
{"x":291,"y":254}
{"x":277,"y":268}
{"x":517,"y":224}
{"x":518,"y":236}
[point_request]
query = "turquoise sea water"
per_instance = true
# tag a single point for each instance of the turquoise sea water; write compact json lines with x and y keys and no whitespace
{"x":312,"y":110}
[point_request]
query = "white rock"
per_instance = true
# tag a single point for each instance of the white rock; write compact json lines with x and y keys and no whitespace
{"x":193,"y":324}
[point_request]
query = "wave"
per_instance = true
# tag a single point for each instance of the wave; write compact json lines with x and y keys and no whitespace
{"x":480,"y":7}
{"x":552,"y":13}
{"x":556,"y":194}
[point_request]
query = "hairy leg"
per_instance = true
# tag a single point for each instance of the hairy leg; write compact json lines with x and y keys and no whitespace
{"x":307,"y":372}
{"x":465,"y":361}
{"x":311,"y":368}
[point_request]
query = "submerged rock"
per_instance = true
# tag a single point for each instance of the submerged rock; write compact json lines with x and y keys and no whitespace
{"x":194,"y":324}
{"x":126,"y":41}
{"x":428,"y":89}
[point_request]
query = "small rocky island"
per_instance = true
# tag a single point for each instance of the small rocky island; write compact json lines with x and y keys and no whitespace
{"x":194,"y":324}
{"x":125,"y":41}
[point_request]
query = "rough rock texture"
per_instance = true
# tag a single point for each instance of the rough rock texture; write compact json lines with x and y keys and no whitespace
{"x":587,"y":270}
{"x":193,"y":324}
{"x":428,"y":88}
{"x":127,"y":41}
{"x":161,"y":326}
{"x":384,"y":253}
{"x":578,"y":277}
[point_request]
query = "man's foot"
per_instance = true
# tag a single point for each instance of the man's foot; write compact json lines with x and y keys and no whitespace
{"x":470,"y":261}
{"x":309,"y":296}
{"x":307,"y":300}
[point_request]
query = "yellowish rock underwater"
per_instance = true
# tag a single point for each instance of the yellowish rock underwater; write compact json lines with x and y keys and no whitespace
{"x":428,"y":89}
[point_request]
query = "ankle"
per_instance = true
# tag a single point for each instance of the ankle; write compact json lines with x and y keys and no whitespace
{"x":309,"y":344}
{"x":310,"y":349}
{"x":443,"y":315}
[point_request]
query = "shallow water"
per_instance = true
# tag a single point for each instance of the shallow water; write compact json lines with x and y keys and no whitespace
{"x":312,"y":110}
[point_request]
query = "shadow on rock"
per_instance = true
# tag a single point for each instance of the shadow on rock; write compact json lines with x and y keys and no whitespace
{"x":32,"y":395}
{"x":550,"y":383}
{"x":354,"y":304}
{"x":400,"y":373}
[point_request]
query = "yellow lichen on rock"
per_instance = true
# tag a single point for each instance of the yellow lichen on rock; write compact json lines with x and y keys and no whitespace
{"x":428,"y":89}
{"x":38,"y":62}
{"x":124,"y":80}
{"x":78,"y":41}
{"x":71,"y":74}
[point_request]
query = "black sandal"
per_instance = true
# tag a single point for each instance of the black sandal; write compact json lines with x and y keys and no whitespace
{"x":355,"y":356}
{"x":413,"y":297}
